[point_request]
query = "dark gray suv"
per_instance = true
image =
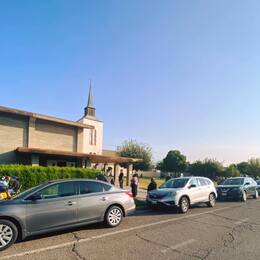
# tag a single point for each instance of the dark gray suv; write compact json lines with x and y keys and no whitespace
{"x":60,"y":204}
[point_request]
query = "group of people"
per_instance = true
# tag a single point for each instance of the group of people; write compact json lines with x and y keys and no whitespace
{"x":134,"y":185}
{"x":134,"y":182}
{"x":120,"y":179}
{"x":11,"y":185}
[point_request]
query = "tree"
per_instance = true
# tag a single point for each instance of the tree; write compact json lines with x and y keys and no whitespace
{"x":174,"y":162}
{"x":207,"y":168}
{"x":251,"y":168}
{"x":133,"y":149}
{"x":232,"y":171}
{"x":244,"y":168}
{"x":254,"y":167}
{"x":160,"y":166}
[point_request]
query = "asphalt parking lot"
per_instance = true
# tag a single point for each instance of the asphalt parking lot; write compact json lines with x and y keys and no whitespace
{"x":231,"y":230}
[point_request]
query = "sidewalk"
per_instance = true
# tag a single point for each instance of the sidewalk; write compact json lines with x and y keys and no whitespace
{"x":141,"y":194}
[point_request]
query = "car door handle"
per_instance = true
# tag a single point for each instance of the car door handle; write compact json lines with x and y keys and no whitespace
{"x":70,"y":203}
{"x":104,"y":198}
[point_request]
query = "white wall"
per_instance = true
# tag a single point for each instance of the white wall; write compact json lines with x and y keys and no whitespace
{"x":87,"y":148}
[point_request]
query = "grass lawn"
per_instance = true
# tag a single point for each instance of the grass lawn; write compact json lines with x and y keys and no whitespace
{"x":144,"y":182}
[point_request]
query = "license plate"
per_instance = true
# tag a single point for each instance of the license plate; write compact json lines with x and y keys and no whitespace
{"x":224,"y":194}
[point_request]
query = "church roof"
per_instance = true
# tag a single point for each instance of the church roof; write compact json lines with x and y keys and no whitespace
{"x":43,"y":117}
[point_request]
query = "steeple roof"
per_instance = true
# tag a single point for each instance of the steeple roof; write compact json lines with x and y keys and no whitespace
{"x":90,"y":110}
{"x":90,"y":97}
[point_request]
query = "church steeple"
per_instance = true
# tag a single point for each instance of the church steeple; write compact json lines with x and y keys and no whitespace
{"x":89,"y":109}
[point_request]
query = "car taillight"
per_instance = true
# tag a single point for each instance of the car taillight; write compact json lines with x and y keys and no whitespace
{"x":129,"y":193}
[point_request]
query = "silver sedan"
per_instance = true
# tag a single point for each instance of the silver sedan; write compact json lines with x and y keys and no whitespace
{"x":61,"y":204}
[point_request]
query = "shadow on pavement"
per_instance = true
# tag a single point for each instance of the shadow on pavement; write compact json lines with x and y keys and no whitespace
{"x":161,"y":210}
{"x":146,"y":211}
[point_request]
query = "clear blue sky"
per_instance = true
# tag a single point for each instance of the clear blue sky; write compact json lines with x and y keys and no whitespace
{"x":174,"y":74}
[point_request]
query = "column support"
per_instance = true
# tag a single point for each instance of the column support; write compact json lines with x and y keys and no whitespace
{"x":129,"y":174}
{"x":35,"y":160}
{"x":116,"y":172}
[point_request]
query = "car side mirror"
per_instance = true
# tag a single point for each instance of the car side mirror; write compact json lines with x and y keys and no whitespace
{"x":192,"y":186}
{"x":247,"y":183}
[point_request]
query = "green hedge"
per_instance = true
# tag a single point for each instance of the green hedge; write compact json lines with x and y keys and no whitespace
{"x":30,"y":176}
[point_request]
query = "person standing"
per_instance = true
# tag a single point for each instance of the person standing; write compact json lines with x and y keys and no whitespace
{"x":134,"y":185}
{"x":121,"y":179}
{"x":6,"y":181}
{"x":112,"y":181}
{"x":15,"y":185}
{"x":152,"y":185}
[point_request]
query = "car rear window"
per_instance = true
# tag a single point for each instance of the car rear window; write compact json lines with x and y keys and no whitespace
{"x":204,"y":182}
{"x":87,"y":187}
{"x":106,"y":187}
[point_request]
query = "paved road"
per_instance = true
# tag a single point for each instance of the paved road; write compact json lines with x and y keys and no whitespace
{"x":231,"y":230}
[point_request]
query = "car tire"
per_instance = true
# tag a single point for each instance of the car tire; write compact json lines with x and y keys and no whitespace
{"x":256,"y":195}
{"x":212,"y":200}
{"x":184,"y":204}
{"x":244,"y":196}
{"x":8,"y":234}
{"x":114,"y":216}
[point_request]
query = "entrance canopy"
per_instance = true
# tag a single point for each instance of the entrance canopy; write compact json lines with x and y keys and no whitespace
{"x":94,"y":158}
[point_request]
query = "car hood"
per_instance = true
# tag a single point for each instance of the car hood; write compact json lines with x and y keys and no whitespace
{"x":165,"y":191}
{"x":229,"y":186}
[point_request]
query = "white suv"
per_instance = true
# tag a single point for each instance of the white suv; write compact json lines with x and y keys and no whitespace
{"x":183,"y":192}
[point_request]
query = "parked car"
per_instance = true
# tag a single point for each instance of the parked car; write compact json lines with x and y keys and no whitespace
{"x":238,"y":188}
{"x":60,"y":204}
{"x":258,"y":186}
{"x":183,"y":192}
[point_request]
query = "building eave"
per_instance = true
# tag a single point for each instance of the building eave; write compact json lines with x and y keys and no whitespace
{"x":43,"y":117}
{"x":94,"y":158}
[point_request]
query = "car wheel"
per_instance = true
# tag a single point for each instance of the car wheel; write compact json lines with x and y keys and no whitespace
{"x":114,"y":216}
{"x":8,"y":233}
{"x":184,"y":204}
{"x":212,"y":200}
{"x":244,"y":196}
{"x":256,"y":195}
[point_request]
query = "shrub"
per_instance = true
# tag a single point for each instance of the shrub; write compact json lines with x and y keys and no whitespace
{"x":30,"y":176}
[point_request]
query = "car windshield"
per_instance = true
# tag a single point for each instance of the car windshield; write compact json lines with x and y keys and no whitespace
{"x":234,"y":181}
{"x":174,"y":183}
{"x":27,"y":192}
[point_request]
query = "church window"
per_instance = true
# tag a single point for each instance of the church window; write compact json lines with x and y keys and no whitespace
{"x":93,"y":137}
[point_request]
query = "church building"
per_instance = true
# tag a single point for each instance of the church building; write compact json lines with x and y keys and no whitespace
{"x":40,"y":140}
